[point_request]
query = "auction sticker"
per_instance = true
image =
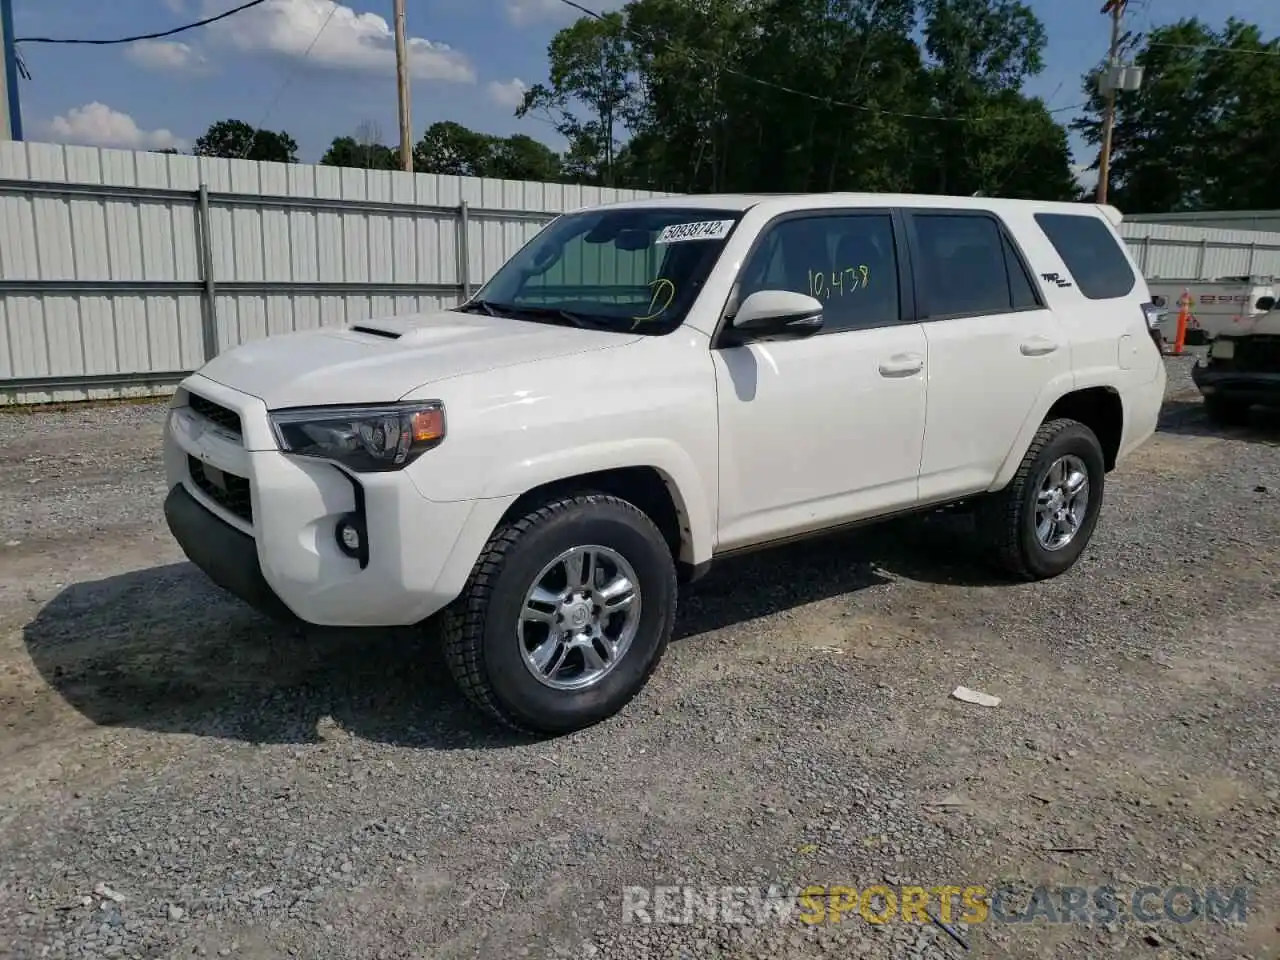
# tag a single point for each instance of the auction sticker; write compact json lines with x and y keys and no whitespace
{"x":703,"y":230}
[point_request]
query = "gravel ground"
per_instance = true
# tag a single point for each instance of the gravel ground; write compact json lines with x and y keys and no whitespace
{"x":180,"y":778}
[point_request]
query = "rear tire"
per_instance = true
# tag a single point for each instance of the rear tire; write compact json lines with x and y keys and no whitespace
{"x":1028,"y":522}
{"x":1226,"y":411}
{"x":518,"y":663}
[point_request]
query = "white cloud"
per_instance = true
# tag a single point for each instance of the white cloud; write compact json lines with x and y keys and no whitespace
{"x":509,"y":94}
{"x":348,"y":40}
{"x":522,"y":12}
{"x":177,"y":6}
{"x":97,"y":125}
{"x":1085,"y":178}
{"x":165,"y":55}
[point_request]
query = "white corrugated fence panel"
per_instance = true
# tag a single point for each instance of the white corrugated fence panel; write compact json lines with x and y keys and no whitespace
{"x":409,"y":239}
{"x":1184,"y":251}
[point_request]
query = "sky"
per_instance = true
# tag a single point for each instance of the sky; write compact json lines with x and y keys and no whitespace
{"x":272,"y":66}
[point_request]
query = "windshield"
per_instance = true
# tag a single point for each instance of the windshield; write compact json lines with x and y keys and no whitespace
{"x":631,"y":269}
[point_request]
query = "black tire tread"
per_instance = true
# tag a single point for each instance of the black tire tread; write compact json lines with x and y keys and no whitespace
{"x":463,"y":621}
{"x":1005,"y":514}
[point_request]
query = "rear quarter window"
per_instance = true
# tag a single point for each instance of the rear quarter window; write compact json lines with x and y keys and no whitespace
{"x":1097,"y":264}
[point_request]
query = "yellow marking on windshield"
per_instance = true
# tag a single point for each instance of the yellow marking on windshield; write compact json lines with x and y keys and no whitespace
{"x":661,"y":286}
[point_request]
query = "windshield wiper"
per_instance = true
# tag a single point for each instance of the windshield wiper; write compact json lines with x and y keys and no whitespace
{"x":580,"y":320}
{"x":553,"y":314}
{"x":472,"y":305}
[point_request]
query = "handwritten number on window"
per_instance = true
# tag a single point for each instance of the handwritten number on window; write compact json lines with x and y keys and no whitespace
{"x":859,"y":278}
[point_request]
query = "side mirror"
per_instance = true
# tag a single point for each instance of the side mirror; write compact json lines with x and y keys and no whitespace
{"x":778,"y":314}
{"x":1266,"y":303}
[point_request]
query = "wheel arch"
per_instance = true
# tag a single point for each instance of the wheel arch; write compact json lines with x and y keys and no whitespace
{"x":1099,"y":408}
{"x":649,"y":488}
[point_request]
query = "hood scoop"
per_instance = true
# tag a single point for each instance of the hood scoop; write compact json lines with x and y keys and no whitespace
{"x":375,"y":331}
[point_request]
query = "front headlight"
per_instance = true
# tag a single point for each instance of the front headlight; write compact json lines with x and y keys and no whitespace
{"x":363,"y":439}
{"x":1222,"y":349}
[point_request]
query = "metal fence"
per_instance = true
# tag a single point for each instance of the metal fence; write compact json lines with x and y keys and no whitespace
{"x":1186,"y":252}
{"x":121,"y":271}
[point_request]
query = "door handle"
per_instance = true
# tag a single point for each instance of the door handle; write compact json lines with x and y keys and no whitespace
{"x":902,"y":365}
{"x":1037,"y":346}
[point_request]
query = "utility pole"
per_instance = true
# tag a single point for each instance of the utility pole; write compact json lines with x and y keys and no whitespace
{"x":1116,"y":9}
{"x":402,"y":83}
{"x":10,"y":110}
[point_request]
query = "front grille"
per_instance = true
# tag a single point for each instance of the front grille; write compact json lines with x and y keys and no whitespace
{"x":225,"y":489}
{"x":1260,"y":352}
{"x":215,"y":412}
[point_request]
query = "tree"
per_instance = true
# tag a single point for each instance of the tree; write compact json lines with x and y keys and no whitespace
{"x":590,"y":94}
{"x":520,"y":157}
{"x":349,"y":152}
{"x":980,"y":54}
{"x":237,"y":140}
{"x":806,"y":95}
{"x":1201,"y":131}
{"x":450,"y":148}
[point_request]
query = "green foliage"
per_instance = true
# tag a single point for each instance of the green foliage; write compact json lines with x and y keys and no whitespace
{"x":922,"y":96}
{"x":592,"y":65}
{"x":806,"y":95}
{"x":1201,"y":132}
{"x":451,"y":148}
{"x":237,"y":140}
{"x":349,"y":152}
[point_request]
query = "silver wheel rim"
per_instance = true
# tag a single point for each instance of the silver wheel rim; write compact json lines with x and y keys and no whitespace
{"x":1062,"y":502}
{"x":579,"y":617}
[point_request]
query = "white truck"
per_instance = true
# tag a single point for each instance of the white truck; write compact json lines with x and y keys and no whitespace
{"x":1225,"y":305}
{"x":647,"y":387}
{"x":1242,"y":367}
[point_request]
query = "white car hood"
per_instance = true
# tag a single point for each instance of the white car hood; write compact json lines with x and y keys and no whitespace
{"x":380,"y":361}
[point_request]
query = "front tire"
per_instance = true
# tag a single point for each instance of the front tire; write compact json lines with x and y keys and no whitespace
{"x":565,"y":616}
{"x":1040,"y":524}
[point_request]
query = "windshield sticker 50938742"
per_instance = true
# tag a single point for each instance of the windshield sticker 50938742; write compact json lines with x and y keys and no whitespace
{"x":703,"y":230}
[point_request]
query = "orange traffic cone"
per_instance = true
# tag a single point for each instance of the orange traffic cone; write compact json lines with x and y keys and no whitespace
{"x":1184,"y":319}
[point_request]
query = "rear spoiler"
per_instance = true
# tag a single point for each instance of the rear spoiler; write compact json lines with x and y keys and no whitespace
{"x":1113,"y":215}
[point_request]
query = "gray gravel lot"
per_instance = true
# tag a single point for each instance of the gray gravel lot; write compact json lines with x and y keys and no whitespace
{"x":245,"y":791}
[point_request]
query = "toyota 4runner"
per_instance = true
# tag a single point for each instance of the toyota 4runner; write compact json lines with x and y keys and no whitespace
{"x":647,"y":387}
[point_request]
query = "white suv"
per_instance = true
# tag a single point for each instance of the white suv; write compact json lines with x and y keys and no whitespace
{"x":647,"y":387}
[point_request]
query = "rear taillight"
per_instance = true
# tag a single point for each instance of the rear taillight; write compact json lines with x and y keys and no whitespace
{"x":1153,"y":313}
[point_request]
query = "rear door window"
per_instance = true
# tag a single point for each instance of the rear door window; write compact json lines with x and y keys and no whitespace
{"x":968,"y":268}
{"x":1097,"y":264}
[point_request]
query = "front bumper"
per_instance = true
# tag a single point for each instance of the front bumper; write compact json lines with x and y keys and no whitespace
{"x":1261,"y":387}
{"x":272,"y":541}
{"x":228,"y":557}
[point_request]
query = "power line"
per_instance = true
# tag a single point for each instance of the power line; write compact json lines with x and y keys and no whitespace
{"x":826,"y":101}
{"x":288,"y":79}
{"x":147,"y":36}
{"x":1205,"y":49}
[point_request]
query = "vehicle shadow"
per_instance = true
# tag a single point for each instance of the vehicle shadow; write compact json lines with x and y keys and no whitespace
{"x":163,"y":650}
{"x":1186,"y":417}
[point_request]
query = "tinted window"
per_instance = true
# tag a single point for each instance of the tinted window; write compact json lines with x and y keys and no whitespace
{"x":1021,"y":288}
{"x":847,"y":262}
{"x":1091,"y":254}
{"x":963,"y":267}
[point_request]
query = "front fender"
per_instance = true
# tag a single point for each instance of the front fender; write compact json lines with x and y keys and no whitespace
{"x":678,"y":471}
